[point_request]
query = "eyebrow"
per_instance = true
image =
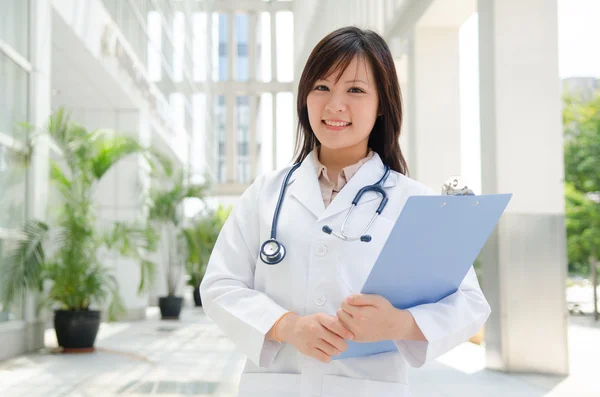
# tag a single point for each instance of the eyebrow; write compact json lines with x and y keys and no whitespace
{"x":357,"y":81}
{"x":350,"y":81}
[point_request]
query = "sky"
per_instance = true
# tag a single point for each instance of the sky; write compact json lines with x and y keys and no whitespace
{"x":578,"y":34}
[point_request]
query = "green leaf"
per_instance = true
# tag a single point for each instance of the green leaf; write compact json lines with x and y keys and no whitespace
{"x":23,"y":268}
{"x":582,"y":175}
{"x":109,"y":150}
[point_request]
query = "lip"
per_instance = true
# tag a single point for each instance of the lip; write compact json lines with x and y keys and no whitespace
{"x":330,"y":127}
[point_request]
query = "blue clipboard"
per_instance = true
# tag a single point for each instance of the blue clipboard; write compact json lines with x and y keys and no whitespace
{"x":428,"y":253}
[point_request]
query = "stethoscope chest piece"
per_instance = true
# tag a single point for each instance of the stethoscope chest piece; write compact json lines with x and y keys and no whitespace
{"x":272,"y":252}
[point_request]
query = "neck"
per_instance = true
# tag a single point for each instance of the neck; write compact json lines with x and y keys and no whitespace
{"x":337,"y":159}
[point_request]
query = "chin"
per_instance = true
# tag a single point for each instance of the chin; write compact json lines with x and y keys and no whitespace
{"x":337,"y":145}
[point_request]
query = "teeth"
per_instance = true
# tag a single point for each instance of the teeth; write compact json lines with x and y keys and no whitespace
{"x":336,"y":123}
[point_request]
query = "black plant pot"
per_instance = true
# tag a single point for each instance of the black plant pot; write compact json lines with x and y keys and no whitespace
{"x":170,"y":307}
{"x":197,"y":297}
{"x":76,"y":330}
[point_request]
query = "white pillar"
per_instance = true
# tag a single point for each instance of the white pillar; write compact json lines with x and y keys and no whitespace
{"x":40,"y":91}
{"x":434,"y":105}
{"x":40,"y":30}
{"x":274,"y":78}
{"x":252,"y":134}
{"x":405,"y":132}
{"x":524,"y":262}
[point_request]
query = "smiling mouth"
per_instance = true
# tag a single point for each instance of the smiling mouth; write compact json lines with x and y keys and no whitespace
{"x":336,"y":124}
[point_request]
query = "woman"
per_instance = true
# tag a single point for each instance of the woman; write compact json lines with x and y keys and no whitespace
{"x":291,"y":311}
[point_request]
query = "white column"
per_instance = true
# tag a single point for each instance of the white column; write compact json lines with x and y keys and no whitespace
{"x":409,"y":129}
{"x":252,"y":23}
{"x":40,"y":30}
{"x":524,"y":263}
{"x":434,"y":102}
{"x":405,"y":132}
{"x":274,"y":78}
{"x":40,"y":103}
{"x":252,"y":136}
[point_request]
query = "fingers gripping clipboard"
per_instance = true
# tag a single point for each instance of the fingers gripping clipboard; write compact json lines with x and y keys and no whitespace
{"x":429,"y":251}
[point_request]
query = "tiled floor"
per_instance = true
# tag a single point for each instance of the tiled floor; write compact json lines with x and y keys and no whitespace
{"x":192,"y":358}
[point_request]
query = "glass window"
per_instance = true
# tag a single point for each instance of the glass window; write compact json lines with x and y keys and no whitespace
{"x":14,"y":25}
{"x":223,"y":47}
{"x":243,"y":124}
{"x":12,"y":186}
{"x":285,"y":45}
{"x":263,"y":48}
{"x":13,"y":95}
{"x":221,"y":133}
{"x":241,"y":34}
{"x":13,"y":312}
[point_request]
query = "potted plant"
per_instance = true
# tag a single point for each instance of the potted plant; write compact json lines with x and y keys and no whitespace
{"x":72,"y":277}
{"x":166,"y":217}
{"x":201,"y":238}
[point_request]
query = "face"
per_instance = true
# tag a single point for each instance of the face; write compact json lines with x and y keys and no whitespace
{"x":342,"y":114}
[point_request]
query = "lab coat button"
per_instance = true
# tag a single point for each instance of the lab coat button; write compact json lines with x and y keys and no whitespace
{"x":321,"y":249}
{"x":320,"y":300}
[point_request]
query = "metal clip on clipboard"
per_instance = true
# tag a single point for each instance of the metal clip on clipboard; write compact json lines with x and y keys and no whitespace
{"x":450,"y":188}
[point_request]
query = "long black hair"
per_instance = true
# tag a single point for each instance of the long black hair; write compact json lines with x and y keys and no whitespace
{"x":332,"y":55}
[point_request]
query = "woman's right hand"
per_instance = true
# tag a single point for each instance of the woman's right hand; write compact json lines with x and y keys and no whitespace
{"x":319,"y":335}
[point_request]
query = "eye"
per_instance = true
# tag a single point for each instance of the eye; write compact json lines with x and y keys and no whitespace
{"x":356,"y":90}
{"x":321,"y":88}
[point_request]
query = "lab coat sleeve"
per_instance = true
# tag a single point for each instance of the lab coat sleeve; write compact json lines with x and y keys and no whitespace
{"x":227,"y":289}
{"x":448,"y":322}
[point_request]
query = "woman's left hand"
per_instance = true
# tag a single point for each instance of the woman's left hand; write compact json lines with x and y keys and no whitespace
{"x":371,"y":318}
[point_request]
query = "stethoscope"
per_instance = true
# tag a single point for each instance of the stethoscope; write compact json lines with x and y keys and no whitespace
{"x":272,"y":251}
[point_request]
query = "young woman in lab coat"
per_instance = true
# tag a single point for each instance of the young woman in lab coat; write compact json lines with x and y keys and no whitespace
{"x":290,"y":318}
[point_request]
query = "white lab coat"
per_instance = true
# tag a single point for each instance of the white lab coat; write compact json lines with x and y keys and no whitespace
{"x":245,"y":297}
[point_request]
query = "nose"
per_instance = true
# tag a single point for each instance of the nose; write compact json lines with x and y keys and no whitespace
{"x":335,"y":105}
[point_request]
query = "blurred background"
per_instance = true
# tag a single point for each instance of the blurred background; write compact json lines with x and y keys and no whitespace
{"x":128,"y":129}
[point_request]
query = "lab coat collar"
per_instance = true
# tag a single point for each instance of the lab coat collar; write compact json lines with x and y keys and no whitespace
{"x":304,"y":186}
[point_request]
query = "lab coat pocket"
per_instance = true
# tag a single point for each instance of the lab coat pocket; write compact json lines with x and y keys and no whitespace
{"x":265,"y":384}
{"x":342,"y":386}
{"x":356,"y":258}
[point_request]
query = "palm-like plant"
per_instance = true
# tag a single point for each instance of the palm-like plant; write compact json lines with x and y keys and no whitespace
{"x":201,"y":238}
{"x":166,"y":218}
{"x":78,"y":278}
